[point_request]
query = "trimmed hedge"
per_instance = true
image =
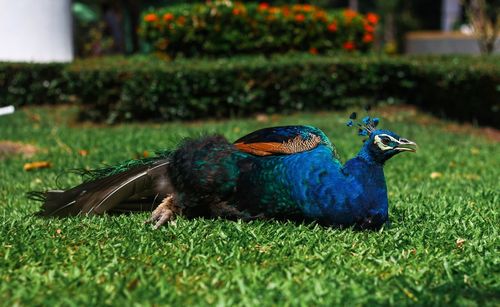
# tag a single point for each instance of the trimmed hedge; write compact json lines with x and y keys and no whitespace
{"x":202,"y":29}
{"x":146,"y":88}
{"x":31,"y":83}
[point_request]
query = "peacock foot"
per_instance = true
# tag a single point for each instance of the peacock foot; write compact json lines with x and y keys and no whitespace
{"x":164,"y":213}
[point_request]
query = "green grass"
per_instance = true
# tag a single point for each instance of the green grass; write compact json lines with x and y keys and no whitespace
{"x":118,"y":260}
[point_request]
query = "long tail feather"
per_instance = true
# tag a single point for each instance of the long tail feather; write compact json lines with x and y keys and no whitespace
{"x":136,"y":189}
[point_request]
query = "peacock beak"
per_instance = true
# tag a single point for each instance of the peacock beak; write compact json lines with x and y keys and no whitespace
{"x":406,"y":145}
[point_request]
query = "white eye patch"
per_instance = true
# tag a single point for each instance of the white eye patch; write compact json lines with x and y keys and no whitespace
{"x":378,"y":141}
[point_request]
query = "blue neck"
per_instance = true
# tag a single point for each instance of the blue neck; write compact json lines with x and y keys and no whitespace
{"x":365,"y":171}
{"x":367,"y":190}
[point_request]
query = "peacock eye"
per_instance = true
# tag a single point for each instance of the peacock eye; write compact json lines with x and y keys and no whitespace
{"x":385,"y":140}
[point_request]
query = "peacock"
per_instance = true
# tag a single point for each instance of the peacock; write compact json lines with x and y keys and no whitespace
{"x":286,"y":172}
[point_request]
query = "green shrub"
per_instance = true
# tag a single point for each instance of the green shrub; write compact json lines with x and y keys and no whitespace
{"x":460,"y":89}
{"x":147,"y":88}
{"x":31,"y":83}
{"x":223,"y":28}
{"x":143,"y":88}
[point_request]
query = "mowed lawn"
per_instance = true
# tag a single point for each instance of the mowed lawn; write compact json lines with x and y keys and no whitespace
{"x":441,"y":248}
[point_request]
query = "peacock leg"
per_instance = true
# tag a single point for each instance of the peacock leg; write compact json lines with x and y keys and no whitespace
{"x":165,"y":212}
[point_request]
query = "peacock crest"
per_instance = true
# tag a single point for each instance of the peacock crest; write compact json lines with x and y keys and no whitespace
{"x":366,"y":126}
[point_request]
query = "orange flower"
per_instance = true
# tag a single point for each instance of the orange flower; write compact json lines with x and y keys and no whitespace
{"x":168,"y":17}
{"x":286,"y":11}
{"x":368,"y":38}
{"x":349,"y":46}
{"x":181,"y":20}
{"x":307,"y":7}
{"x":332,"y":27}
{"x":263,"y":6}
{"x":350,"y":14}
{"x":372,"y":18}
{"x":320,"y":15}
{"x":313,"y":50}
{"x":150,"y":18}
{"x":369,"y":28}
{"x":303,"y":8}
{"x":300,"y":18}
{"x":236,"y":12}
{"x":274,"y":10}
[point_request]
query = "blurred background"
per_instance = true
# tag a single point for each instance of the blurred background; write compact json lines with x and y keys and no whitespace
{"x":411,"y":26}
{"x":109,"y":26}
{"x":167,"y":60}
{"x":112,"y":26}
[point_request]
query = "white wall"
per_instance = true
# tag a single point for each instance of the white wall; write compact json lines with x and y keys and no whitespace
{"x":36,"y":31}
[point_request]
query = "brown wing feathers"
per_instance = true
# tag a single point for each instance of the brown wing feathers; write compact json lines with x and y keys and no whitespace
{"x":291,"y":146}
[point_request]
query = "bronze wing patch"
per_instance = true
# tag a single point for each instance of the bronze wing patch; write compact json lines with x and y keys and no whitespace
{"x":290,"y":146}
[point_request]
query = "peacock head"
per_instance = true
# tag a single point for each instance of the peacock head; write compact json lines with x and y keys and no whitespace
{"x":381,"y":145}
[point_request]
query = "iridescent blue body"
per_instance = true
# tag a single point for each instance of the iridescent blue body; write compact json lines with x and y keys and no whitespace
{"x":310,"y":184}
{"x":313,"y":185}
